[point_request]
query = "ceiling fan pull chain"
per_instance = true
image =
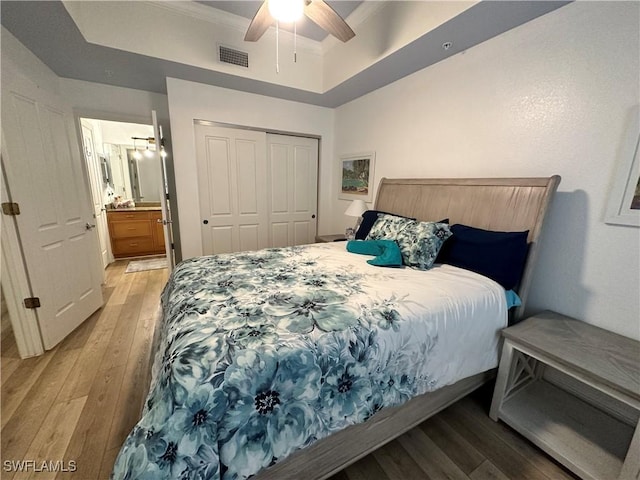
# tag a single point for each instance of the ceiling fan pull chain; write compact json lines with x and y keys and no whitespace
{"x":295,"y":42}
{"x":277,"y":47}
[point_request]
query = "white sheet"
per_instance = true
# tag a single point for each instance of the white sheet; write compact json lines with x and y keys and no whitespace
{"x":466,"y":309}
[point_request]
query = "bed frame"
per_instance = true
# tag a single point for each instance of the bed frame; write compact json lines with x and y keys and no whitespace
{"x":501,"y":204}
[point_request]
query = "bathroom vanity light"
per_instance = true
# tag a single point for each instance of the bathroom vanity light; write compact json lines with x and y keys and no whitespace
{"x":136,"y":153}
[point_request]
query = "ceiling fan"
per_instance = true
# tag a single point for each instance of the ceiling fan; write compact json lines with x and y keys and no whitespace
{"x":286,"y":11}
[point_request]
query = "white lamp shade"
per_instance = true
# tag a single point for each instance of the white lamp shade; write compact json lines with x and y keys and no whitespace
{"x":356,"y":208}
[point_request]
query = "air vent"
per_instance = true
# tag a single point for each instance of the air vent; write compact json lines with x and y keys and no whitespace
{"x":232,"y":56}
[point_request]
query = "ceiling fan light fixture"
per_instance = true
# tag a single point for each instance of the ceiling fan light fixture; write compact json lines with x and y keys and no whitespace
{"x":286,"y":11}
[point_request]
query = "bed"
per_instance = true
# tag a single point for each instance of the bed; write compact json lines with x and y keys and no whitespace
{"x":296,"y":362}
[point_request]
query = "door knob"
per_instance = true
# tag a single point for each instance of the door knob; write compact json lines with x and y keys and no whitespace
{"x":89,"y":226}
{"x":206,"y":222}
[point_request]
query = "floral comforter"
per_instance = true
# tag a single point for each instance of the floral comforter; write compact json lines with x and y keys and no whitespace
{"x":263,"y":353}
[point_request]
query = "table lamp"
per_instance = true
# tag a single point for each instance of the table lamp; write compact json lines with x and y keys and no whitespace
{"x":355,"y":209}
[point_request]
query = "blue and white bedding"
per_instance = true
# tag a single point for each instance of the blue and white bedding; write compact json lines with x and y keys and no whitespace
{"x":263,"y":353}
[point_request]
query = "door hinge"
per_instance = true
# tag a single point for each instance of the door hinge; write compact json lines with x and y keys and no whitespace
{"x":173,"y":246}
{"x":9,"y":208}
{"x":167,"y":196}
{"x":32,"y":302}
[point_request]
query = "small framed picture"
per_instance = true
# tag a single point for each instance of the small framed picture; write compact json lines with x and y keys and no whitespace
{"x":623,"y":207}
{"x":356,"y":176}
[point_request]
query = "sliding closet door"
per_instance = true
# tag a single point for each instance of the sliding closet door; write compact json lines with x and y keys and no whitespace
{"x":292,"y":177}
{"x":232,"y":185}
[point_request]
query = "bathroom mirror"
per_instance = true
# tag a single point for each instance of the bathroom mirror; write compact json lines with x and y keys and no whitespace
{"x":134,"y":178}
{"x":128,"y":164}
{"x":145,"y":175}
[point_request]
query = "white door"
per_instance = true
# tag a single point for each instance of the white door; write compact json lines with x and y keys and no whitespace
{"x":149,"y":175}
{"x":119,"y":170}
{"x":162,"y":186}
{"x":232,"y":185}
{"x":97,"y":188}
{"x":292,"y":182}
{"x":42,"y":161}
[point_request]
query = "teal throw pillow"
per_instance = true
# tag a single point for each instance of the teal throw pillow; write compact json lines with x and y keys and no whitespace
{"x":387,"y":251}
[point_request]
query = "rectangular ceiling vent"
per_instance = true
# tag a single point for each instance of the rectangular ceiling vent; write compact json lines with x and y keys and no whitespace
{"x":233,"y":56}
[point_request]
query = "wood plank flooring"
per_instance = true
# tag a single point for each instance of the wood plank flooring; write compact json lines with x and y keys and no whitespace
{"x":80,"y":400}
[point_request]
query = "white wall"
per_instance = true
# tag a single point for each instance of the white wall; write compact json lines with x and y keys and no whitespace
{"x":391,"y":26}
{"x":106,"y":102}
{"x":120,"y":133}
{"x":189,"y":101}
{"x":17,"y":57}
{"x":549,"y":97}
{"x":190,"y":36}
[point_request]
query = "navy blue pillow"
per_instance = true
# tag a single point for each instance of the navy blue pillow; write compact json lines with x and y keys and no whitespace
{"x":368,"y":219}
{"x":498,"y":255}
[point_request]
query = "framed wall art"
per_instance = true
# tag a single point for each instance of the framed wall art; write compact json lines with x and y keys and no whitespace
{"x":623,"y":207}
{"x":356,"y":176}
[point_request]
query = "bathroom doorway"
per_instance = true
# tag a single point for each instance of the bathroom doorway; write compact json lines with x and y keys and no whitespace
{"x":125,"y":170}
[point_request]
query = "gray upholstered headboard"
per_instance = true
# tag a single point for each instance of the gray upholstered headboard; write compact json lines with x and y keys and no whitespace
{"x":500,"y":204}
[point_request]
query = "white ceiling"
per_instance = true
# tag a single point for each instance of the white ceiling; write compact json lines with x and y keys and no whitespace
{"x":50,"y":32}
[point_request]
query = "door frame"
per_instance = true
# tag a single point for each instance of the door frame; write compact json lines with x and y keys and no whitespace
{"x":212,"y":123}
{"x":15,"y":282}
{"x":167,"y":228}
{"x":79,"y":113}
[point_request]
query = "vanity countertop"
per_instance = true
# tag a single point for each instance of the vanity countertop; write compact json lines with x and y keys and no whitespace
{"x":134,"y":209}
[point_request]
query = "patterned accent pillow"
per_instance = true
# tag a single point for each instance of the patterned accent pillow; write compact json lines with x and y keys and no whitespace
{"x":388,"y":227}
{"x":420,"y":243}
{"x":368,"y":219}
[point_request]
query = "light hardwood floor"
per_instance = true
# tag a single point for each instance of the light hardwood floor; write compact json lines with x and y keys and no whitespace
{"x":79,"y":401}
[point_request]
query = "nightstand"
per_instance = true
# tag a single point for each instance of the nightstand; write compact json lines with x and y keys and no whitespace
{"x":573,"y":389}
{"x":330,"y":238}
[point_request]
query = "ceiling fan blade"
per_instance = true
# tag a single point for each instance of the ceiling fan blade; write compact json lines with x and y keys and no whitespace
{"x":325,"y":17}
{"x":260,"y":23}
